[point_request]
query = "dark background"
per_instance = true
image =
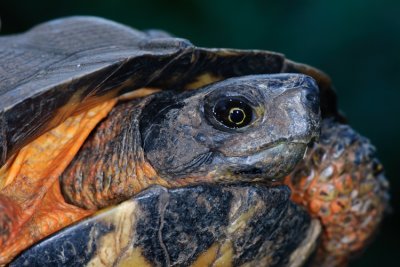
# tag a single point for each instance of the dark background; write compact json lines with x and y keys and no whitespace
{"x":356,"y":42}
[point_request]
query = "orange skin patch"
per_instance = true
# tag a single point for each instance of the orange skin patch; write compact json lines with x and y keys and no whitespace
{"x":31,"y":204}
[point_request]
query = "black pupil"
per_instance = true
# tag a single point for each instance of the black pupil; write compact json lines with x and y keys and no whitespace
{"x":233,"y":113}
{"x":236,"y":116}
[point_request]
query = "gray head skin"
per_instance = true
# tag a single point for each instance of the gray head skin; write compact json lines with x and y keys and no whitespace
{"x":253,"y":128}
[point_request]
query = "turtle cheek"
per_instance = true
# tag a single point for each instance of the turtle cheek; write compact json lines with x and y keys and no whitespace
{"x":176,"y":148}
{"x":176,"y":157}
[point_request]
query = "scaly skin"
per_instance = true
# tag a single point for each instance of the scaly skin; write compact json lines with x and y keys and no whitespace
{"x":341,"y":182}
{"x":110,"y":167}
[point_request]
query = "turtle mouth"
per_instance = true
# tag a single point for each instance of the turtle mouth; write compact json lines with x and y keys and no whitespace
{"x":269,"y":164}
{"x":306,"y":141}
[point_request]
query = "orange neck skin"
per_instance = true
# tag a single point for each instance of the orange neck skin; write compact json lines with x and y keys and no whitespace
{"x":110,"y":167}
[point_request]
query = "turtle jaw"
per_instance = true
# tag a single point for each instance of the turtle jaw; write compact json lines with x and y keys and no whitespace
{"x":268,"y":165}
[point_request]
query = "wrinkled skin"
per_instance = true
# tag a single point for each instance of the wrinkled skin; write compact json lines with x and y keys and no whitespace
{"x":181,"y":138}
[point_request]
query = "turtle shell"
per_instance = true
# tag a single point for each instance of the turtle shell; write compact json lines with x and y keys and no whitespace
{"x":66,"y":67}
{"x":69,"y":65}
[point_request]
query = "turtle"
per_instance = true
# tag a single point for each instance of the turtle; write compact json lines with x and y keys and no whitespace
{"x":152,"y":151}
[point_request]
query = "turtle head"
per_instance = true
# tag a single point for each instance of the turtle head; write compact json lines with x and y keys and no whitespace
{"x":252,"y":128}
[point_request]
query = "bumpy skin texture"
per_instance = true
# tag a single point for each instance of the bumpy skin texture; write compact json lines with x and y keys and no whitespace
{"x":193,"y":226}
{"x":341,"y":182}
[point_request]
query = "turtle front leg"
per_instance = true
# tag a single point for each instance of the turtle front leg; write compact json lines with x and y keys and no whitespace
{"x":341,"y":183}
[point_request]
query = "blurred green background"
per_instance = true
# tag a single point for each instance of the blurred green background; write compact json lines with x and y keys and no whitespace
{"x":356,"y":42}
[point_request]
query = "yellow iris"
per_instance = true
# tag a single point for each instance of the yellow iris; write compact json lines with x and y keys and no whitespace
{"x":237,"y":112}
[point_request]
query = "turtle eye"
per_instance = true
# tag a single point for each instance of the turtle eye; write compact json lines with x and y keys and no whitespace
{"x":233,"y":112}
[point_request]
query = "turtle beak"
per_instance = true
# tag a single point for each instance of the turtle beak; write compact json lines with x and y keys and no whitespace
{"x":311,"y":103}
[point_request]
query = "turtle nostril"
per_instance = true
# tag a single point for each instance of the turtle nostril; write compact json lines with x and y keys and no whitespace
{"x":311,"y":100}
{"x":311,"y":97}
